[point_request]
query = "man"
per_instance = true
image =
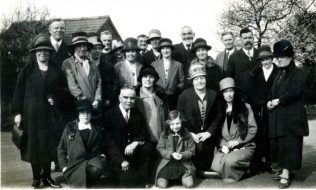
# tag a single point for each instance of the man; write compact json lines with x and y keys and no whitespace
{"x":182,"y":51}
{"x":142,"y":43}
{"x":57,"y":31}
{"x":153,"y":54}
{"x":106,"y":38}
{"x":127,"y":141}
{"x":242,"y":61}
{"x":200,"y":107}
{"x":222,"y":57}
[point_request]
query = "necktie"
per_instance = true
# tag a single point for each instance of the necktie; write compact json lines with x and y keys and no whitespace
{"x":248,"y":54}
{"x":86,"y":66}
{"x":56,"y":47}
{"x":126,"y":116}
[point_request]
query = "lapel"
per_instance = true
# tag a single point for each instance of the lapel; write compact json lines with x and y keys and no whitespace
{"x":128,"y":71}
{"x":195,"y":105}
{"x":81,"y":74}
{"x":172,"y":69}
{"x":92,"y":137}
{"x":161,"y":71}
{"x":37,"y":77}
{"x":210,"y":97}
{"x":79,"y":140}
{"x":138,"y":67}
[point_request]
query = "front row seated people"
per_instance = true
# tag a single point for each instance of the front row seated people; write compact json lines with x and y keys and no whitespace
{"x":80,"y":151}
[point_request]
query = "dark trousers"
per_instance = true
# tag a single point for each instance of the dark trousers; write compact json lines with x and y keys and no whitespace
{"x":40,"y":170}
{"x":204,"y":154}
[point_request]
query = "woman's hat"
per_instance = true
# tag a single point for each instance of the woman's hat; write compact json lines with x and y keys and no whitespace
{"x":42,"y":42}
{"x":80,"y":38}
{"x":94,"y":39}
{"x":227,"y":82}
{"x":84,"y":105}
{"x":264,"y":52}
{"x":154,"y":33}
{"x":116,"y":45}
{"x":196,"y":70}
{"x":283,"y":48}
{"x":165,"y":42}
{"x":147,"y":70}
{"x":130,"y":44}
{"x":200,"y":43}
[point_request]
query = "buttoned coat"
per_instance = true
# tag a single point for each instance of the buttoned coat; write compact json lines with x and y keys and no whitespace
{"x":185,"y":146}
{"x":74,"y":154}
{"x":61,"y":55}
{"x":125,"y":74}
{"x":175,"y":80}
{"x":222,"y":61}
{"x":81,"y":85}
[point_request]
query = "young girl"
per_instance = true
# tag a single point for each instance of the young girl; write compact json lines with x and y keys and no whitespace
{"x":176,"y":148}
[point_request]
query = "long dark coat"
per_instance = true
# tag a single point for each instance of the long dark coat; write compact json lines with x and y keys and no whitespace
{"x":61,"y":55}
{"x":41,"y":121}
{"x":289,"y":118}
{"x":75,"y":155}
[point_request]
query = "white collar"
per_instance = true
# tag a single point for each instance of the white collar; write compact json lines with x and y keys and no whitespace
{"x":267,"y":72}
{"x":185,"y":46}
{"x":53,"y":41}
{"x":82,"y":126}
{"x":246,"y":51}
{"x":124,"y":111}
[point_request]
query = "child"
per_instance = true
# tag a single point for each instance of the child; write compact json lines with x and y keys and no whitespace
{"x":176,"y":148}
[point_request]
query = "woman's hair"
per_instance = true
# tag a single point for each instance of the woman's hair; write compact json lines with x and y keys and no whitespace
{"x":172,"y":115}
{"x":239,"y":112}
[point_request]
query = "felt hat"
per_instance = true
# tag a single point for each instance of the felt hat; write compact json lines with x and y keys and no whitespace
{"x":196,"y":70}
{"x":283,"y":48}
{"x":147,"y":70}
{"x":200,"y":43}
{"x":154,"y":33}
{"x":80,"y":38}
{"x":130,"y":44}
{"x":165,"y":42}
{"x":84,"y":105}
{"x":225,"y":83}
{"x":264,"y":52}
{"x":42,"y":42}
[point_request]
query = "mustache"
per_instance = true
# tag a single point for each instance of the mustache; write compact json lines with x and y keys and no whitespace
{"x":248,"y":43}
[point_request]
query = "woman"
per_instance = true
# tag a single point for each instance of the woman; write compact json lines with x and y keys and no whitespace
{"x":38,"y":96}
{"x":213,"y":71}
{"x":80,"y":151}
{"x":287,"y":118}
{"x":116,"y":54}
{"x":238,"y":130}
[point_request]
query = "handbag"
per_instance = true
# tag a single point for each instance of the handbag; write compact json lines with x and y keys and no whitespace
{"x":17,"y":134}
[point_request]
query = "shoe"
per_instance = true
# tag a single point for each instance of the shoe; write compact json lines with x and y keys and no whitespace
{"x":277,"y":176}
{"x":36,"y":183}
{"x":48,"y":181}
{"x":286,"y":184}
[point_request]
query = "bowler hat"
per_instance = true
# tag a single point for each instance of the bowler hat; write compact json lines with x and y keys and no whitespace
{"x":80,"y":38}
{"x":154,"y":33}
{"x":225,"y":83}
{"x":84,"y":105}
{"x":147,"y":70}
{"x":116,"y":45}
{"x":283,"y":48}
{"x":165,"y":42}
{"x":130,"y":44}
{"x":200,"y":43}
{"x":196,"y":70}
{"x":42,"y":42}
{"x":264,"y":52}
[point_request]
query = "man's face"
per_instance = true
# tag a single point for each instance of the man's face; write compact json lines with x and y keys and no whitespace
{"x":247,"y":40}
{"x":96,"y":52}
{"x":107,"y":41}
{"x":57,"y":30}
{"x":130,"y":55}
{"x":127,"y":98}
{"x":141,"y":43}
{"x":81,"y":50}
{"x":187,"y":35}
{"x":228,"y":41}
{"x":166,"y":52}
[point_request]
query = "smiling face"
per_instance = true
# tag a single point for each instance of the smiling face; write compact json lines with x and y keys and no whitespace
{"x":201,"y":53}
{"x":266,"y":62}
{"x":84,"y":117}
{"x":228,"y":41}
{"x":107,"y":41}
{"x":228,"y":95}
{"x":175,"y":125}
{"x":199,"y":83}
{"x":166,"y":52}
{"x":42,"y":55}
{"x":96,"y":52}
{"x":130,"y":55}
{"x":148,"y":81}
{"x":127,"y":98}
{"x":57,"y":30}
{"x":81,"y":50}
{"x":142,"y":43}
{"x":187,"y":35}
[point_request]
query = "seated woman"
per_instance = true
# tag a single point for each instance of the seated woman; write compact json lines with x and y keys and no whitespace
{"x":80,"y":149}
{"x":239,"y":128}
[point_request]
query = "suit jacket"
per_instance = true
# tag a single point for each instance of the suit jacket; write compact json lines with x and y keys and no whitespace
{"x":188,"y":106}
{"x":148,"y":57}
{"x":239,"y":66}
{"x":175,"y":80}
{"x":222,"y":61}
{"x":61,"y":55}
{"x":81,"y":85}
{"x":121,"y":133}
{"x":124,"y":73}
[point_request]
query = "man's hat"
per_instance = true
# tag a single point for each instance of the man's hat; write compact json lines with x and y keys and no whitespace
{"x":200,"y":43}
{"x":154,"y":33}
{"x":80,"y":38}
{"x":264,"y":52}
{"x":130,"y":44}
{"x":165,"y":42}
{"x":283,"y":48}
{"x":42,"y":42}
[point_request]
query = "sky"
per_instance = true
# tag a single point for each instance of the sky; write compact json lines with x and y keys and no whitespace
{"x":134,"y":17}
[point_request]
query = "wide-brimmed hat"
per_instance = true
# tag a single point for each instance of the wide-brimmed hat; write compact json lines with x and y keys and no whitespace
{"x":200,"y":43}
{"x":80,"y":38}
{"x":147,"y":70}
{"x":196,"y":70}
{"x":165,"y":42}
{"x":227,"y":82}
{"x":130,"y":44}
{"x":283,"y":48}
{"x":264,"y":52}
{"x":154,"y":33}
{"x":84,"y":105}
{"x":116,"y":45}
{"x":94,"y":39}
{"x":42,"y":42}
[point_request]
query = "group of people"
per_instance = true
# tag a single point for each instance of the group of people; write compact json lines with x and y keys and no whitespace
{"x":101,"y":110}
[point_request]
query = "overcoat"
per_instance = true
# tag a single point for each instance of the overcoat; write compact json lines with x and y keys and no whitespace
{"x":61,"y":55}
{"x":125,"y":74}
{"x":233,"y":165}
{"x":222,"y":61}
{"x":147,"y":58}
{"x":41,"y":122}
{"x":289,"y":118}
{"x":185,"y":146}
{"x":75,"y":155}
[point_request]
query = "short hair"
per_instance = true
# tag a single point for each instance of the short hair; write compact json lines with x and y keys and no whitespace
{"x":127,"y":87}
{"x":142,"y":36}
{"x":244,"y":30}
{"x":105,"y":32}
{"x":227,"y":33}
{"x":183,"y":27}
{"x":56,"y":20}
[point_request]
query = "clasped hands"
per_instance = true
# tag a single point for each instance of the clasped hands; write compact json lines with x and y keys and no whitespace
{"x":273,"y":103}
{"x":200,"y":137}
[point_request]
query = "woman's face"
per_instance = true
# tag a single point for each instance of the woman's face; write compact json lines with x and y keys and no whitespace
{"x":228,"y":94}
{"x":118,"y":54}
{"x":175,"y":125}
{"x":85,"y":117}
{"x":148,"y":81}
{"x":96,"y":52}
{"x":266,"y":62}
{"x":283,"y":61}
{"x":199,"y":82}
{"x":201,"y":53}
{"x":131,"y":55}
{"x":42,"y":55}
{"x":166,"y":52}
